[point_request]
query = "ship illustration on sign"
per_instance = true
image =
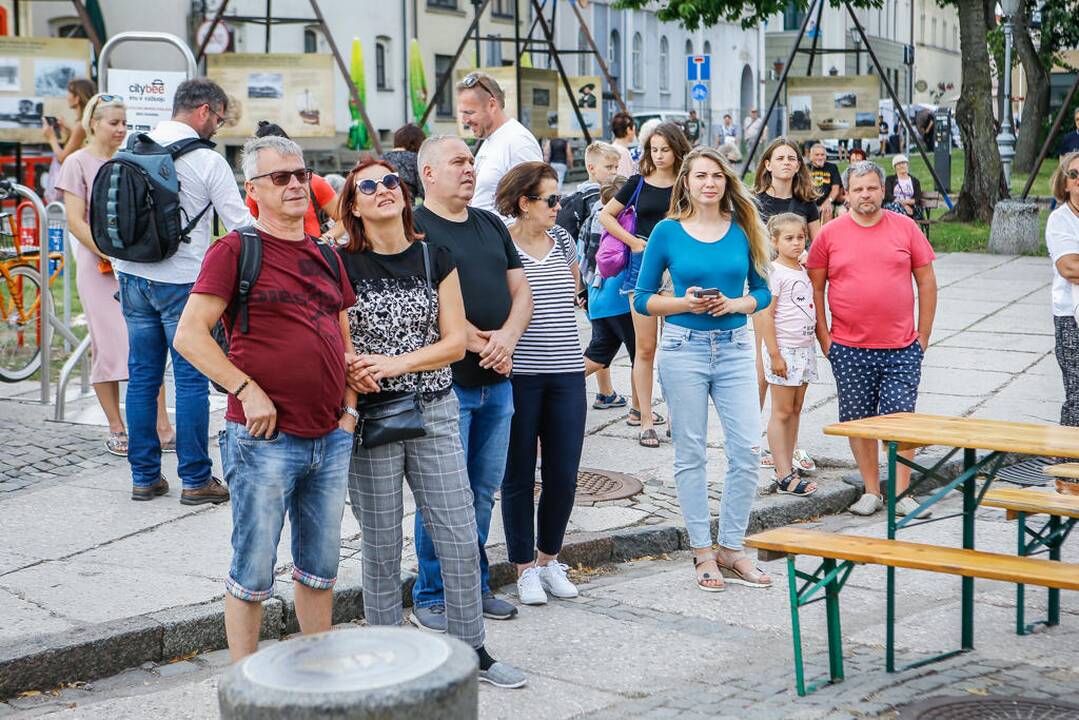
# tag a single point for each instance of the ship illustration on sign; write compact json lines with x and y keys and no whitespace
{"x":830,"y":124}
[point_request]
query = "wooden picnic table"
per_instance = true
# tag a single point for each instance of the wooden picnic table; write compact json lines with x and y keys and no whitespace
{"x":905,"y":431}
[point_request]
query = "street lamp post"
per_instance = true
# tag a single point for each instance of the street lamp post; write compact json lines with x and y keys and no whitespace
{"x":1006,"y":138}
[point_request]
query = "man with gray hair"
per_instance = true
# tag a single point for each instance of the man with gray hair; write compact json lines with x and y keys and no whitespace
{"x":481,"y":106}
{"x":861,"y":264}
{"x":284,"y":448}
{"x":152,"y":297}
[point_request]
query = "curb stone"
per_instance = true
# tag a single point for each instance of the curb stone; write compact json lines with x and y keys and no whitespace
{"x":89,"y":653}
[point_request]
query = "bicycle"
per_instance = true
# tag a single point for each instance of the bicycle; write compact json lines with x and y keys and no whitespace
{"x":20,"y":301}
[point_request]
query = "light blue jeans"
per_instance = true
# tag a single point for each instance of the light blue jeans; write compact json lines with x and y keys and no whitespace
{"x":695,"y":365}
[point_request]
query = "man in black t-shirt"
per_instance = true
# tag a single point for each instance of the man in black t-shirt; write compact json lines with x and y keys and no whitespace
{"x":826,"y":179}
{"x":498,"y":307}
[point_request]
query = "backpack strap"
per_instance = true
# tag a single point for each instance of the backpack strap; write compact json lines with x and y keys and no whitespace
{"x":247,"y":273}
{"x":177,"y":150}
{"x":330,"y":256}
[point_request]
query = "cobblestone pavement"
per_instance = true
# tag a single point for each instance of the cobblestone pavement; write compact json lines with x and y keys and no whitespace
{"x":642,"y":642}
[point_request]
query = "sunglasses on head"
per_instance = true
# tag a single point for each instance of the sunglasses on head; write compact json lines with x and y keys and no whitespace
{"x":551,"y":200}
{"x":282,"y":177}
{"x":1071,"y":174}
{"x":390,"y":181}
{"x":472,"y":80}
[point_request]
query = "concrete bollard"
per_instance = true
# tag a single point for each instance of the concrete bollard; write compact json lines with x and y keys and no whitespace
{"x":1015,"y":228}
{"x":354,"y":674}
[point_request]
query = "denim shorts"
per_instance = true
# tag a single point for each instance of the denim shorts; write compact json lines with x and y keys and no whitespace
{"x":876,"y":381}
{"x":305,"y":477}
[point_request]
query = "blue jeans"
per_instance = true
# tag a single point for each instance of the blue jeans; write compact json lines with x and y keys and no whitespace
{"x":695,"y":365}
{"x":484,"y":418}
{"x":305,"y":477}
{"x":151,"y":310}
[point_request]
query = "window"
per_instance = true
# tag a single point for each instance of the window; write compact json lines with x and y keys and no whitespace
{"x":500,"y":8}
{"x":614,"y":54}
{"x":310,"y":40}
{"x":944,"y":33}
{"x":955,"y":37}
{"x":793,"y":16}
{"x":638,"y":61}
{"x":689,"y":47}
{"x":664,"y":64}
{"x":444,"y":101}
{"x":382,"y":51}
{"x":494,"y":50}
{"x":67,"y":27}
{"x":921,"y":29}
{"x":584,"y":61}
{"x":444,"y":4}
{"x":707,"y":47}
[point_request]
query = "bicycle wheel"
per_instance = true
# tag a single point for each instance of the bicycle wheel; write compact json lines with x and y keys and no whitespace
{"x":20,"y":326}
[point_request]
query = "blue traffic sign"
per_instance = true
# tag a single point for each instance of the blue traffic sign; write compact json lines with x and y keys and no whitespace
{"x":699,"y":91}
{"x":698,"y":68}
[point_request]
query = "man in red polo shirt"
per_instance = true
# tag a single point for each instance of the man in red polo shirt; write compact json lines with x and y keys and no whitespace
{"x":863,"y":263}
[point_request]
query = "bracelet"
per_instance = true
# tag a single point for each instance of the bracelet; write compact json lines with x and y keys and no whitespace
{"x":236,"y":393}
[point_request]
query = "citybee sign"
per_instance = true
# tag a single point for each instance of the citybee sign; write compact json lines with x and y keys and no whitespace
{"x":147,"y":94}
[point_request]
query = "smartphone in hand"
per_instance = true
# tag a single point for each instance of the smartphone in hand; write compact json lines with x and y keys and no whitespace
{"x":706,"y":293}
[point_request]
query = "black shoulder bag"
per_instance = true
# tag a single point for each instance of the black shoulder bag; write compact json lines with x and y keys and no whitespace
{"x":399,"y":419}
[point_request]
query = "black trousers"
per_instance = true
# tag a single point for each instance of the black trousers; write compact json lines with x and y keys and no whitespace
{"x":549,"y":408}
{"x":1067,"y":352}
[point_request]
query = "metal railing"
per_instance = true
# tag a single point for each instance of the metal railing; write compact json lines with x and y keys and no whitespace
{"x":57,"y":224}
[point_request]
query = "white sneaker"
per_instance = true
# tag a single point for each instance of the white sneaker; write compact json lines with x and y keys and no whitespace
{"x":867,"y":504}
{"x":909,"y":506}
{"x":530,"y":587}
{"x":553,"y":577}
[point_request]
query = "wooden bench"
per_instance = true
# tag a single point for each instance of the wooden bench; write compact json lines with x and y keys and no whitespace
{"x":840,"y":553}
{"x":930,"y":201}
{"x":1063,"y":511}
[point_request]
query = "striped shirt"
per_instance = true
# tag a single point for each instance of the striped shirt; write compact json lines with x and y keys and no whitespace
{"x":551,"y":344}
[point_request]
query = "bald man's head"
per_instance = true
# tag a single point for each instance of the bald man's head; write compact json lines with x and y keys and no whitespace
{"x":447,"y":171}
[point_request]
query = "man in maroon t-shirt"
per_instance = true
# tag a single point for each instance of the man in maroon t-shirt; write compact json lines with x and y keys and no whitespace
{"x":865,"y":260}
{"x":284,"y":447}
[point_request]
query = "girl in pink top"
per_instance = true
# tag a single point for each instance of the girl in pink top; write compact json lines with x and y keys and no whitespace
{"x":788,"y":328}
{"x":104,"y":121}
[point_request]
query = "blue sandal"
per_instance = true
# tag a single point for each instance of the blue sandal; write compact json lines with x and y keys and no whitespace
{"x":784,"y":485}
{"x":605,"y":402}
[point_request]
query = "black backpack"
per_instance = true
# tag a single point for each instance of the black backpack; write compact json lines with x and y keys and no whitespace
{"x":247,"y":273}
{"x":575,"y":208}
{"x":135,"y":209}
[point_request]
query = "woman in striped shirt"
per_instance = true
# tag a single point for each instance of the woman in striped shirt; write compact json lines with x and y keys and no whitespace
{"x":548,"y":386}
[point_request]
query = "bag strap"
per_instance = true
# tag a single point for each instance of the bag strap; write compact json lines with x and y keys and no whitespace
{"x":330,"y":257}
{"x":430,"y":288}
{"x":177,"y":150}
{"x":636,"y":193}
{"x":247,"y":273}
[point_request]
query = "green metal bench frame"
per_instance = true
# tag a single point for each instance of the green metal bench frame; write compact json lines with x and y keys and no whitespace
{"x":1050,"y":538}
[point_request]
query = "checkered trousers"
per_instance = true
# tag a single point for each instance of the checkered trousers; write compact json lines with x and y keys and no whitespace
{"x":435,"y":468}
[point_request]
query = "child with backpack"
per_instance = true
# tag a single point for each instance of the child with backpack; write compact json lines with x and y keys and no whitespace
{"x":608,"y":308}
{"x":788,"y":329}
{"x":601,"y":162}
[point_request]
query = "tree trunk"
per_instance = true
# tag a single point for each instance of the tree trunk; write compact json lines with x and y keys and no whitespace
{"x":983,"y":179}
{"x":1036,"y":102}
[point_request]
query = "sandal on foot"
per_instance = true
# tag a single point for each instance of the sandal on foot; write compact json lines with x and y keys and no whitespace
{"x":754,"y":577}
{"x":168,"y":446}
{"x":648,"y":439}
{"x":803,"y":461}
{"x":117,"y":444}
{"x":801,"y":485}
{"x":767,"y":461}
{"x":634,"y":418}
{"x":707,"y":577}
{"x":605,"y":402}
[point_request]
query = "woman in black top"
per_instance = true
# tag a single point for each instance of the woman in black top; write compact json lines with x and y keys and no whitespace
{"x":559,"y":155}
{"x":406,"y":145}
{"x":660,"y":162}
{"x":408,"y":325}
{"x":783,"y":184}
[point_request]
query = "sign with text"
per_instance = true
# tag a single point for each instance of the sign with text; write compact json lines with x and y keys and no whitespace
{"x":294,"y":91}
{"x":836,"y":106}
{"x":147,"y":94}
{"x":34,"y":73}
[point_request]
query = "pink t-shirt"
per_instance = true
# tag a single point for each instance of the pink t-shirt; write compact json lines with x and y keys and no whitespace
{"x":795,"y":313}
{"x":77,"y":177}
{"x":870,"y":290}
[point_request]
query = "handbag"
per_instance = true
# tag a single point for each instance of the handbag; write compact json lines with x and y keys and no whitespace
{"x":401,"y":418}
{"x":613,"y":254}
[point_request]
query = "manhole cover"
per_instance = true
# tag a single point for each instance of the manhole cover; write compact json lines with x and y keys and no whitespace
{"x":595,"y":486}
{"x":1029,"y":472}
{"x":989,"y":708}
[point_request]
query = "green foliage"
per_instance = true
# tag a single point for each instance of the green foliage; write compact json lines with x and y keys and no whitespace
{"x":693,"y":14}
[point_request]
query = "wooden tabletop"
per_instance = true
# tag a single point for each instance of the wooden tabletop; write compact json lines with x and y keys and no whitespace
{"x":1064,"y":470}
{"x":1033,"y":501}
{"x":918,"y":429}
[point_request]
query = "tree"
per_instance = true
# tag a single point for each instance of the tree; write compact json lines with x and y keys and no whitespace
{"x":983,"y":181}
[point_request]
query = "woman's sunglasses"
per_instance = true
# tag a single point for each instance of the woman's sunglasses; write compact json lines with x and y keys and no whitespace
{"x":1071,"y":174}
{"x":551,"y":200}
{"x":282,"y":178}
{"x":390,"y":181}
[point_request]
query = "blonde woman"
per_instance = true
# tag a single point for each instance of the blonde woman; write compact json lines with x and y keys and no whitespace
{"x":714,"y":245}
{"x":104,"y":123}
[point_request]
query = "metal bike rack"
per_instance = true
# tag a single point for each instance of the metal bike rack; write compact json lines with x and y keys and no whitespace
{"x":57,"y":222}
{"x":158,"y":37}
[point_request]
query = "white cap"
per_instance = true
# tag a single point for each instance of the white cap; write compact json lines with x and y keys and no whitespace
{"x":899,"y":159}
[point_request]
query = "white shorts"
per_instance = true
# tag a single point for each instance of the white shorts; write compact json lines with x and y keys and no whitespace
{"x":801,"y":366}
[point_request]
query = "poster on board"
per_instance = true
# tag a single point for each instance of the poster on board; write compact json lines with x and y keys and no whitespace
{"x":835,"y":106}
{"x":295,"y":91}
{"x":34,"y":73}
{"x":147,"y":94}
{"x":540,"y":90}
{"x":587,"y":90}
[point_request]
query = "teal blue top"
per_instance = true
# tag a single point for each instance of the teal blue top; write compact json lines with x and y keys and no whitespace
{"x":724,"y":264}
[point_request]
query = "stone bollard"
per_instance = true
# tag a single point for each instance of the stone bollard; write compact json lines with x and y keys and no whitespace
{"x":1015,"y":228}
{"x":354,"y":674}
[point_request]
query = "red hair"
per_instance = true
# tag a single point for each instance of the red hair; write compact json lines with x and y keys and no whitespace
{"x":357,"y":238}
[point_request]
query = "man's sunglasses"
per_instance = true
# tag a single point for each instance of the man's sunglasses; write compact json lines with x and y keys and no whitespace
{"x":390,"y":181}
{"x":472,"y":80}
{"x":281,"y":178}
{"x":551,"y":200}
{"x":1072,"y":174}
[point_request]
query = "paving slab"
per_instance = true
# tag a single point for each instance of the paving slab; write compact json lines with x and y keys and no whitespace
{"x":32,"y":618}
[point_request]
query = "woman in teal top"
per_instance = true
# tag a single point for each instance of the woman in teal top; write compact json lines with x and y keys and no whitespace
{"x":714,"y":246}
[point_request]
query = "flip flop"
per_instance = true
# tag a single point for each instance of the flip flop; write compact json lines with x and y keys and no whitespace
{"x":648,"y":439}
{"x":116,"y":444}
{"x":706,"y":576}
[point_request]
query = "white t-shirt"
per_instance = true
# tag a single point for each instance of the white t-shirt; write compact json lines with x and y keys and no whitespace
{"x":509,"y":145}
{"x":795,"y":316}
{"x":1062,"y":238}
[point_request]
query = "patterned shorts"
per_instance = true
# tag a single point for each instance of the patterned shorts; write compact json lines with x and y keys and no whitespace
{"x":873,"y":381}
{"x":801,"y":366}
